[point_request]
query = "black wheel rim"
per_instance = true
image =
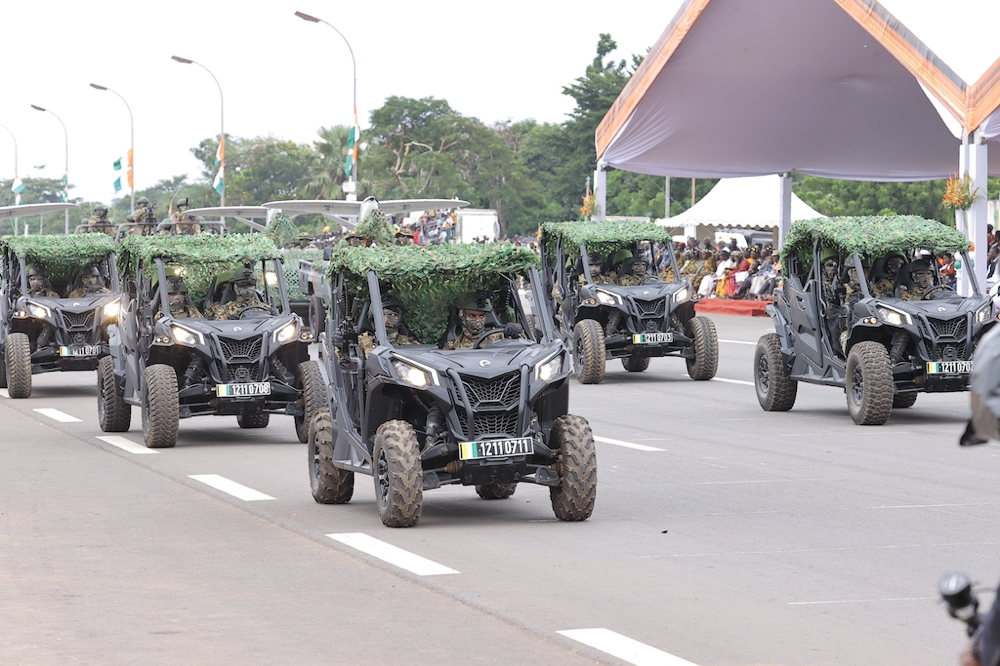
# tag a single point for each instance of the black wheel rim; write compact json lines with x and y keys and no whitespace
{"x":858,"y":385}
{"x":383,"y":479}
{"x":763,"y":375}
{"x":314,"y":458}
{"x":578,"y":357}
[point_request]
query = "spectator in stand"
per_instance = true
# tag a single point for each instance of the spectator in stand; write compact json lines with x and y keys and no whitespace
{"x":946,"y":263}
{"x":708,"y":283}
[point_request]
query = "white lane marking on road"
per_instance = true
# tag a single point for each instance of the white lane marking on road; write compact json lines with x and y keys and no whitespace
{"x":624,"y":647}
{"x":231,"y":487}
{"x":56,"y":415}
{"x":126,"y":445}
{"x":627,"y":445}
{"x":858,"y":601}
{"x":925,"y":506}
{"x":723,"y":379}
{"x":738,"y":342}
{"x":386,"y":552}
{"x":4,"y":393}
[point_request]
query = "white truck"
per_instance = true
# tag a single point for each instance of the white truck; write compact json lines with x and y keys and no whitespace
{"x":473,"y":223}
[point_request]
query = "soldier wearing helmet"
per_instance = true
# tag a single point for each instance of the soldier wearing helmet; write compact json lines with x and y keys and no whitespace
{"x":921,"y":280}
{"x":99,"y":222}
{"x":177,"y":296}
{"x":472,"y":310}
{"x":594,"y":264}
{"x":404,"y":236}
{"x":885,"y":287}
{"x":184,"y":224}
{"x":635,"y":271}
{"x":90,"y":282}
{"x":38,"y":282}
{"x":392,"y":317}
{"x":244,"y":284}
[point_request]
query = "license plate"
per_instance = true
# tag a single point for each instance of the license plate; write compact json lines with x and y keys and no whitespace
{"x":242,"y":390}
{"x":651,"y":338}
{"x":80,"y":350}
{"x":949,"y":368}
{"x":500,"y":448}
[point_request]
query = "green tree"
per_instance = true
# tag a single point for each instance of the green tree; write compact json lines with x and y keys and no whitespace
{"x":325,"y":174}
{"x":41,"y":190}
{"x":257,"y":170}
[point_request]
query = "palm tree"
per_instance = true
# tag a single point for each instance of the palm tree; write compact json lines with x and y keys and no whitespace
{"x":326,"y":172}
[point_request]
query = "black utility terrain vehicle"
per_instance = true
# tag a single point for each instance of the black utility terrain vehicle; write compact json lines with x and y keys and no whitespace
{"x":863,"y":307}
{"x":55,"y":305}
{"x":415,"y":415}
{"x":205,"y":329}
{"x":613,"y":304}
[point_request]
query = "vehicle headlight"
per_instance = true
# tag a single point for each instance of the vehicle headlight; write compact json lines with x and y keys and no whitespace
{"x":411,"y":374}
{"x":985,"y":313}
{"x":112,"y":309}
{"x":682,"y":295}
{"x":185,"y":336}
{"x":893,"y":316}
{"x":548,"y":370}
{"x":286,"y":333}
{"x":607,"y":298}
{"x":38,"y":311}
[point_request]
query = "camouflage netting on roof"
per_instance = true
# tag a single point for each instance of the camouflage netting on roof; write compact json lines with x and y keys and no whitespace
{"x":203,"y":257}
{"x":872,"y":236}
{"x":61,"y":254}
{"x":376,"y":226}
{"x":428,"y":280}
{"x":282,"y":231}
{"x":603,"y":237}
{"x":290,"y":261}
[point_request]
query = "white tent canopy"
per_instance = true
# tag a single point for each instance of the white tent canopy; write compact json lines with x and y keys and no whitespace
{"x":741,"y":202}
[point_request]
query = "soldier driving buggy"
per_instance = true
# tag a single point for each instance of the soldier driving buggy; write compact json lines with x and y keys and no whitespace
{"x":417,"y":416}
{"x":631,"y":317}
{"x":862,"y":309}
{"x":51,"y":320}
{"x":251,"y":361}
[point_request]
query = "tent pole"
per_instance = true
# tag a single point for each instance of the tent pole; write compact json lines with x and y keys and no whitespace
{"x":785,"y":210}
{"x":976,"y":217}
{"x":600,"y":191}
{"x":666,"y":201}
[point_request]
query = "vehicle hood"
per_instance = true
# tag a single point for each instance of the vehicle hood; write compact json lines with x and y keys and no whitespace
{"x":497,"y":358}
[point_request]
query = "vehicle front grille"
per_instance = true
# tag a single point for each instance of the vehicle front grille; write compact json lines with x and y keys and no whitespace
{"x":241,"y":350}
{"x":490,"y":423}
{"x":949,"y":351}
{"x":79,"y":320}
{"x":950,"y":328}
{"x":654,"y":308}
{"x":241,"y":373}
{"x":502,"y":391}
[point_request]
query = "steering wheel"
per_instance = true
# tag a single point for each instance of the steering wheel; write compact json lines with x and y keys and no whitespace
{"x":253,"y":308}
{"x":485,"y":334}
{"x":937,"y":287}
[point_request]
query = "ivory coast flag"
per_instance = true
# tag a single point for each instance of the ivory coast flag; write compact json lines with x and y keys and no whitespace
{"x":220,"y":183}
{"x":18,"y":186}
{"x":123,"y":176}
{"x":220,"y":154}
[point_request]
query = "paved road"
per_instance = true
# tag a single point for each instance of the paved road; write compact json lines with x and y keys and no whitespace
{"x":722,"y":535}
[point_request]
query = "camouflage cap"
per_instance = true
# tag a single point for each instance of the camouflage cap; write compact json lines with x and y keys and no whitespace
{"x":36,"y":269}
{"x":244,"y":276}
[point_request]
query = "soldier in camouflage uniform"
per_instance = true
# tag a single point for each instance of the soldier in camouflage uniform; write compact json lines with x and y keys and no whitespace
{"x":99,"y":219}
{"x":143,"y":216}
{"x":392,"y":317}
{"x":245,"y":288}
{"x":472,"y":309}
{"x":39,"y":287}
{"x":404,"y":236}
{"x":634,"y":272}
{"x":183,"y":223}
{"x":594,"y":263}
{"x":921,"y":281}
{"x":886,"y":286}
{"x":91,"y":283}
{"x":177,"y":296}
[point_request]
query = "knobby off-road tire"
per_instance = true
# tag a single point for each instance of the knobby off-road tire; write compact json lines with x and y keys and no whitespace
{"x":869,"y":383}
{"x":113,"y":413}
{"x":160,"y":407}
{"x":904,"y":400}
{"x":3,"y":369}
{"x":330,"y":485}
{"x":706,"y":349}
{"x":252,"y":419}
{"x":776,"y":391}
{"x":588,"y":352}
{"x":317,"y":320}
{"x":577,"y":492}
{"x":399,"y":478}
{"x":635,"y":363}
{"x":18,"y":361}
{"x":493,"y":491}
{"x":313,"y":397}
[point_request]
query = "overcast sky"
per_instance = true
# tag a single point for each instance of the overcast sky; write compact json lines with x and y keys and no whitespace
{"x":285,"y":77}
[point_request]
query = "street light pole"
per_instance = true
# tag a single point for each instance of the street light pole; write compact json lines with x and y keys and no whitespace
{"x":131,"y":141}
{"x":66,"y":174}
{"x":222,"y":124}
{"x":12,"y":138}
{"x":354,"y":170}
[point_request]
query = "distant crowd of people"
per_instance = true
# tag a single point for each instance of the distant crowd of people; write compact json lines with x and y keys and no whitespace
{"x":720,"y":270}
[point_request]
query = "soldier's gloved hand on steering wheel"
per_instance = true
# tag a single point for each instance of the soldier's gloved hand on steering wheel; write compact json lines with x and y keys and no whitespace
{"x":512,"y":331}
{"x":337,"y":337}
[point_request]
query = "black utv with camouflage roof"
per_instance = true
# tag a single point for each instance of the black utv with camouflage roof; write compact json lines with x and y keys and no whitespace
{"x":864,"y":308}
{"x":174,"y":362}
{"x":619,"y":311}
{"x":43,"y":329}
{"x":418,"y":416}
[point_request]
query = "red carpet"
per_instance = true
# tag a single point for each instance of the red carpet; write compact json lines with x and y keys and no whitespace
{"x":729,"y":307}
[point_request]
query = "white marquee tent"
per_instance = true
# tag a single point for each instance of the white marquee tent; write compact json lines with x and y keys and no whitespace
{"x":741,"y":202}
